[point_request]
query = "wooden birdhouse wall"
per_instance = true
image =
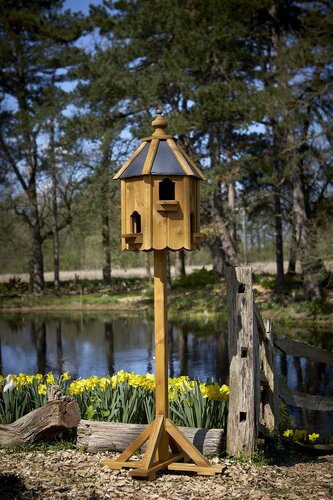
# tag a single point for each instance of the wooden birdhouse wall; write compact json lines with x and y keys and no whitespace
{"x":136,"y":213}
{"x":160,"y":212}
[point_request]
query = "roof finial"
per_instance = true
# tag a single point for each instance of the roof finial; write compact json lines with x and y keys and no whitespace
{"x":159,"y":124}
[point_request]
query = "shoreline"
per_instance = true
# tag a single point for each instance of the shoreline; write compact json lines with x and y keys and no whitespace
{"x":268,"y":267}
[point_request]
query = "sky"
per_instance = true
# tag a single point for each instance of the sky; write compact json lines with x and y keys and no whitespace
{"x":82,"y":5}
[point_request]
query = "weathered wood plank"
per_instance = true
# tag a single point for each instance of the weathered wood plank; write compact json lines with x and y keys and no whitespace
{"x":269,"y":396}
{"x":261,"y":324}
{"x":304,"y":350}
{"x":44,"y":422}
{"x":303,"y":400}
{"x":106,"y":436}
{"x":244,"y":380}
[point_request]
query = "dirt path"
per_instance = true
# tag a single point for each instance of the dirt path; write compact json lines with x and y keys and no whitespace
{"x":139,"y":272}
{"x":76,"y":475}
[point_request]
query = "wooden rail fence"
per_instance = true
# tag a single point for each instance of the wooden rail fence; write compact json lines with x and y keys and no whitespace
{"x":254,"y":388}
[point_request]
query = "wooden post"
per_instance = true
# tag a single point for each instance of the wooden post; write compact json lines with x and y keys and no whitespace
{"x":161,"y":435}
{"x":244,"y":401}
{"x":161,"y":343}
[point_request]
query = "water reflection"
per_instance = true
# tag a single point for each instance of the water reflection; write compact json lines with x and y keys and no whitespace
{"x":304,"y":375}
{"x":89,"y":345}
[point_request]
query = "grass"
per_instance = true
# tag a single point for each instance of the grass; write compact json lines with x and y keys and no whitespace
{"x":198,"y":298}
{"x":58,"y":443}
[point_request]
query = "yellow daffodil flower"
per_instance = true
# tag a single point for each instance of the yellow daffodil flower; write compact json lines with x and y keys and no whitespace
{"x":42,"y":389}
{"x":313,"y":437}
{"x":50,"y":380}
{"x":66,"y":376}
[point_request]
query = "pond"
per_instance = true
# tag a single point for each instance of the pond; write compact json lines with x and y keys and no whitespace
{"x":97,"y":345}
{"x":91,"y":344}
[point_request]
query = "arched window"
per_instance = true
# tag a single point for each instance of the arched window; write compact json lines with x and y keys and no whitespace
{"x":166,"y":190}
{"x":136,"y":222}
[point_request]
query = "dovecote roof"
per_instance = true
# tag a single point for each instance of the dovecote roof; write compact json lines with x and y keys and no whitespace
{"x":160,"y":154}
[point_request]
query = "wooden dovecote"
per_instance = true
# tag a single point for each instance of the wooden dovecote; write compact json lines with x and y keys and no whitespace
{"x":160,"y":212}
{"x":160,"y":195}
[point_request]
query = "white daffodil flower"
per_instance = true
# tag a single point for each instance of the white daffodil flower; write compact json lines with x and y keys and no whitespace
{"x":10,"y":385}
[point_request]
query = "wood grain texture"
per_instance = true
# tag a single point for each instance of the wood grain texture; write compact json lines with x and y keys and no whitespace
{"x":105,"y":436}
{"x":269,"y":394}
{"x":42,"y":423}
{"x":244,"y":380}
{"x":161,"y":347}
{"x":304,"y":350}
{"x":303,"y":400}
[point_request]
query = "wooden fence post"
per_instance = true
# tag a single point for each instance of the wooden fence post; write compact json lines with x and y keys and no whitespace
{"x":244,"y":401}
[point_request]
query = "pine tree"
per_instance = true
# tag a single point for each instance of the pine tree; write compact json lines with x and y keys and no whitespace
{"x":34,"y":44}
{"x":295,"y":45}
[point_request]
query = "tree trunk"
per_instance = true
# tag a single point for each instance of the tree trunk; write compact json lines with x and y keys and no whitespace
{"x":180,"y":263}
{"x":56,"y":258}
{"x":223,"y":233}
{"x":216,"y":205}
{"x":37,"y":267}
{"x":106,"y":248}
{"x":147,"y":265}
{"x":42,"y":423}
{"x":231,"y":213}
{"x":292,"y":252}
{"x":313,"y":269}
{"x":218,"y":256}
{"x":278,"y":243}
{"x":105,"y":213}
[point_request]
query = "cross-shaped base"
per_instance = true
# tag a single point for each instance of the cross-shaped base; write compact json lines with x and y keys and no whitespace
{"x":162,"y":434}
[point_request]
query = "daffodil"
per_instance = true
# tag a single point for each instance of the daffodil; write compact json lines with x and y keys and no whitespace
{"x":104,"y":383}
{"x":50,"y":380}
{"x":225,"y":391}
{"x":77,"y":387}
{"x":288,"y":433}
{"x":66,"y":376}
{"x":10,"y":385}
{"x":42,"y":389}
{"x":313,"y":437}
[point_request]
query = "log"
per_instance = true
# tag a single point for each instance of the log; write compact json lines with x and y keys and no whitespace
{"x":42,"y":423}
{"x":106,"y":436}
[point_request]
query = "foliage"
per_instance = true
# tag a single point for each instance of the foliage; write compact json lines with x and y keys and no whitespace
{"x":251,"y":101}
{"x":123,"y":397}
{"x":300,"y":435}
{"x":199,"y":405}
{"x":201,"y":278}
{"x":288,"y":429}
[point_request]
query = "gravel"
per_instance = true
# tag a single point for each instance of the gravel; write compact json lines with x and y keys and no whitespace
{"x":70,"y":474}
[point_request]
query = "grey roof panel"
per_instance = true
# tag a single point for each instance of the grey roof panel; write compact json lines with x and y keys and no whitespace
{"x":165,"y":162}
{"x":135,"y":167}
